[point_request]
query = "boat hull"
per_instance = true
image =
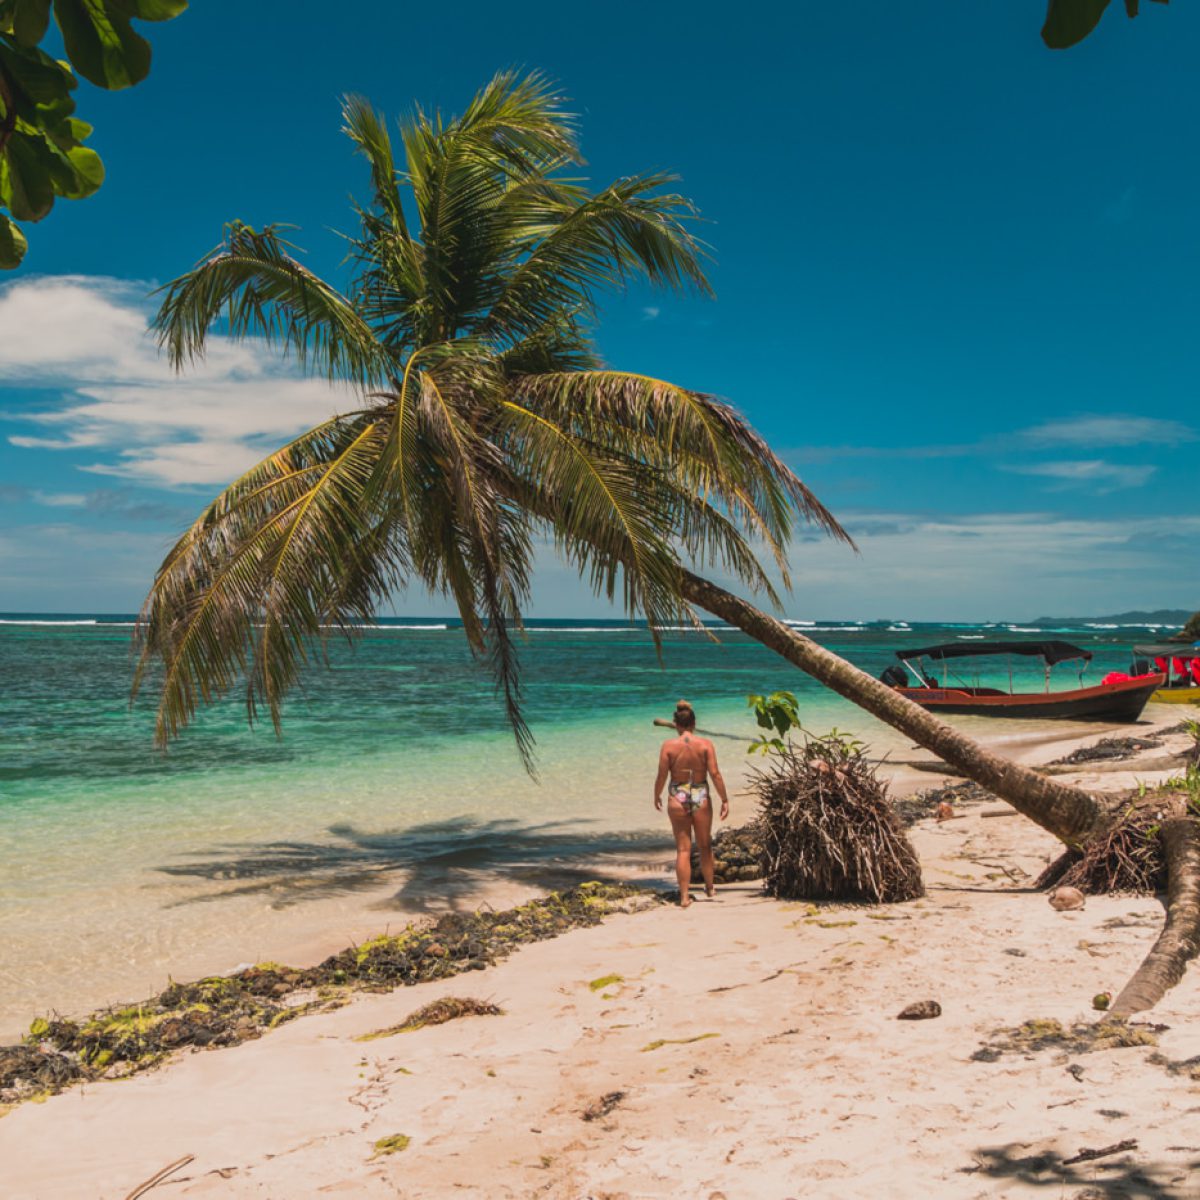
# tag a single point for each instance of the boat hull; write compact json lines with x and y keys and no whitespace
{"x":1105,"y":702}
{"x":1187,"y":695}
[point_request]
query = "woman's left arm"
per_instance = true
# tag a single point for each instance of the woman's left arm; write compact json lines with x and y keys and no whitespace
{"x":715,"y":775}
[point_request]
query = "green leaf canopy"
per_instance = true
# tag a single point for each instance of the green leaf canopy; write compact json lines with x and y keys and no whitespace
{"x":42,"y":156}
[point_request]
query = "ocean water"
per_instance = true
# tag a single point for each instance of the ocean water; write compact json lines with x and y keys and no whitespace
{"x":395,"y":788}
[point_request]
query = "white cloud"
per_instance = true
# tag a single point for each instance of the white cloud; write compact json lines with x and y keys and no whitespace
{"x":651,"y":312}
{"x":1095,"y":473}
{"x":119,"y":396}
{"x":995,"y":566}
{"x":1109,"y":431}
{"x":60,"y":499}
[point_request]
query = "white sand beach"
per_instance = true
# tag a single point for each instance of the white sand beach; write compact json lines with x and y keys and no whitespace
{"x":754,"y":1046}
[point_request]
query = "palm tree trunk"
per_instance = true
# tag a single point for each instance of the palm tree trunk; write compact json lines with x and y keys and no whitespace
{"x":1179,"y":941}
{"x":1068,"y":813}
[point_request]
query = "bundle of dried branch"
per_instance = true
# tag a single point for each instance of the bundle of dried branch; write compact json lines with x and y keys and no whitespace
{"x":828,"y":828}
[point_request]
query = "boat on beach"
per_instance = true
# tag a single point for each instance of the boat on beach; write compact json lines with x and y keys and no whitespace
{"x":1113,"y":699}
{"x":1178,"y":662}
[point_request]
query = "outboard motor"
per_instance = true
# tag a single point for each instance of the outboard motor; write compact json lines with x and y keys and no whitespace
{"x":894,"y":676}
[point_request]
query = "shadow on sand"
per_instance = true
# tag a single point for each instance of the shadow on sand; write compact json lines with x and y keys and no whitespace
{"x":1118,"y":1178}
{"x":436,"y":866}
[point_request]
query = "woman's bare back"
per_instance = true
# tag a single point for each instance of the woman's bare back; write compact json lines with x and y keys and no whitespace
{"x":688,"y":756}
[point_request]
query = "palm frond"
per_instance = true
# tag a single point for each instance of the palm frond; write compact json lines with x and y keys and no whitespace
{"x":254,"y":281}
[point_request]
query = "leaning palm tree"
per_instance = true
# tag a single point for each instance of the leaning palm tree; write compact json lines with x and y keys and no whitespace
{"x":485,"y":421}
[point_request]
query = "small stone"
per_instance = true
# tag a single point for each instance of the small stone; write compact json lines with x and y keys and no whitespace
{"x":922,"y":1010}
{"x":280,"y":989}
{"x":1066,"y":899}
{"x":436,"y":950}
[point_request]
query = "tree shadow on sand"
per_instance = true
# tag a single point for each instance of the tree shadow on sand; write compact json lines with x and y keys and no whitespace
{"x":439,"y":865}
{"x":1120,"y":1178}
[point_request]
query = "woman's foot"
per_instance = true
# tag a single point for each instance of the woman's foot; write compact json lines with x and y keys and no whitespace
{"x":685,"y":901}
{"x":710,"y":891}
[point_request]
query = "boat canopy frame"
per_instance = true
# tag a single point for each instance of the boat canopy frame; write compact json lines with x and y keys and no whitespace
{"x":1168,"y":650}
{"x":1051,"y":652}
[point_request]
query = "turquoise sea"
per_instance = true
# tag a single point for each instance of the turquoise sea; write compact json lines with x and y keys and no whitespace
{"x":395,"y":788}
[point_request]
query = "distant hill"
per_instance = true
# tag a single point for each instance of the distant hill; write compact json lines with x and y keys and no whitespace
{"x":1160,"y":616}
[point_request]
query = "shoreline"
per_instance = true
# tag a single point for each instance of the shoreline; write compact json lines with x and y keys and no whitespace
{"x":753,"y":1043}
{"x":309,"y":930}
{"x":305,"y":930}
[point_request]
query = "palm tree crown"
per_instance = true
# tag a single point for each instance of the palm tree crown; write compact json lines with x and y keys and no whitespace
{"x":485,"y":422}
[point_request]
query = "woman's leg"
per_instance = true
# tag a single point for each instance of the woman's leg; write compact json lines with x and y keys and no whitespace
{"x":681,"y":826}
{"x":702,"y":820}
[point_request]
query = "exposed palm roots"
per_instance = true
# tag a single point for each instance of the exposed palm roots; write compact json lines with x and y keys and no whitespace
{"x":828,"y":828}
{"x":1125,"y":856}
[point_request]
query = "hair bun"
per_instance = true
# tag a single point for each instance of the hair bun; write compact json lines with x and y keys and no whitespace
{"x":684,"y":704}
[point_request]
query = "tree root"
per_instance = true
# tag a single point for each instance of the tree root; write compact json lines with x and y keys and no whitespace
{"x":1179,"y":941}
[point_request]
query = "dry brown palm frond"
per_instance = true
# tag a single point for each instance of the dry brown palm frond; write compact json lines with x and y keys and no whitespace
{"x":828,"y":828}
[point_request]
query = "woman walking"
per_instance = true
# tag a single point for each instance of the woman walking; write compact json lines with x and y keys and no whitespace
{"x":689,"y":762}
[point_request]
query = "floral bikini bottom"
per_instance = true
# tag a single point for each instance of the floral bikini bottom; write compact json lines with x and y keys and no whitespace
{"x":691,"y":796}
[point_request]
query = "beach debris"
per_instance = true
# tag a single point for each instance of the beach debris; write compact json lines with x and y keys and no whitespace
{"x":829,"y":831}
{"x":1104,"y":1152}
{"x":1109,"y":749}
{"x":598,"y":985}
{"x":156,"y":1179}
{"x":223,"y":1010}
{"x":923,"y":805}
{"x":945,"y":811}
{"x":602,"y":1107}
{"x":1066,"y":899}
{"x":392,"y":1144}
{"x":921,"y":1010}
{"x":999,"y":812}
{"x":1083,"y":1038}
{"x":1101,"y":1001}
{"x":660,"y":1042}
{"x":449,"y":1008}
{"x":27,"y":1071}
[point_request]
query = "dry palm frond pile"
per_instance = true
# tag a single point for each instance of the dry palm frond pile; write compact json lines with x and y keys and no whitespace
{"x":828,"y":828}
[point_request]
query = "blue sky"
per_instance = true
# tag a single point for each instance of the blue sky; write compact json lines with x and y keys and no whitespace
{"x":956,"y":281}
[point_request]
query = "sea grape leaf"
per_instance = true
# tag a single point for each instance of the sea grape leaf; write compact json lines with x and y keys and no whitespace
{"x":151,"y":10}
{"x":40,"y":77}
{"x":1068,"y":22}
{"x":101,"y":43}
{"x":26,"y":188}
{"x":12,"y":244}
{"x":41,"y":151}
{"x":30,"y":19}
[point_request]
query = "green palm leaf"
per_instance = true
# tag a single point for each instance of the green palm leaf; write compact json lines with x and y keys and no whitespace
{"x":486,"y":421}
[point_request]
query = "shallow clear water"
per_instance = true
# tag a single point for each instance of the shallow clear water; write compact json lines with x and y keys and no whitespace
{"x":395,"y":788}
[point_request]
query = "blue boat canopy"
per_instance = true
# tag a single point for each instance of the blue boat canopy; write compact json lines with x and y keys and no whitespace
{"x":1051,"y":651}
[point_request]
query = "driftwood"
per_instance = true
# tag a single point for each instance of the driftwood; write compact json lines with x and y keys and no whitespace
{"x":155,"y":1180}
{"x":1104,"y":1152}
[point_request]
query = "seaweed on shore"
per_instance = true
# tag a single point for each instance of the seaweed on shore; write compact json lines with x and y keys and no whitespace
{"x":1109,"y":749}
{"x":222,"y":1010}
{"x":437,"y":1013}
{"x":1083,"y":1038}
